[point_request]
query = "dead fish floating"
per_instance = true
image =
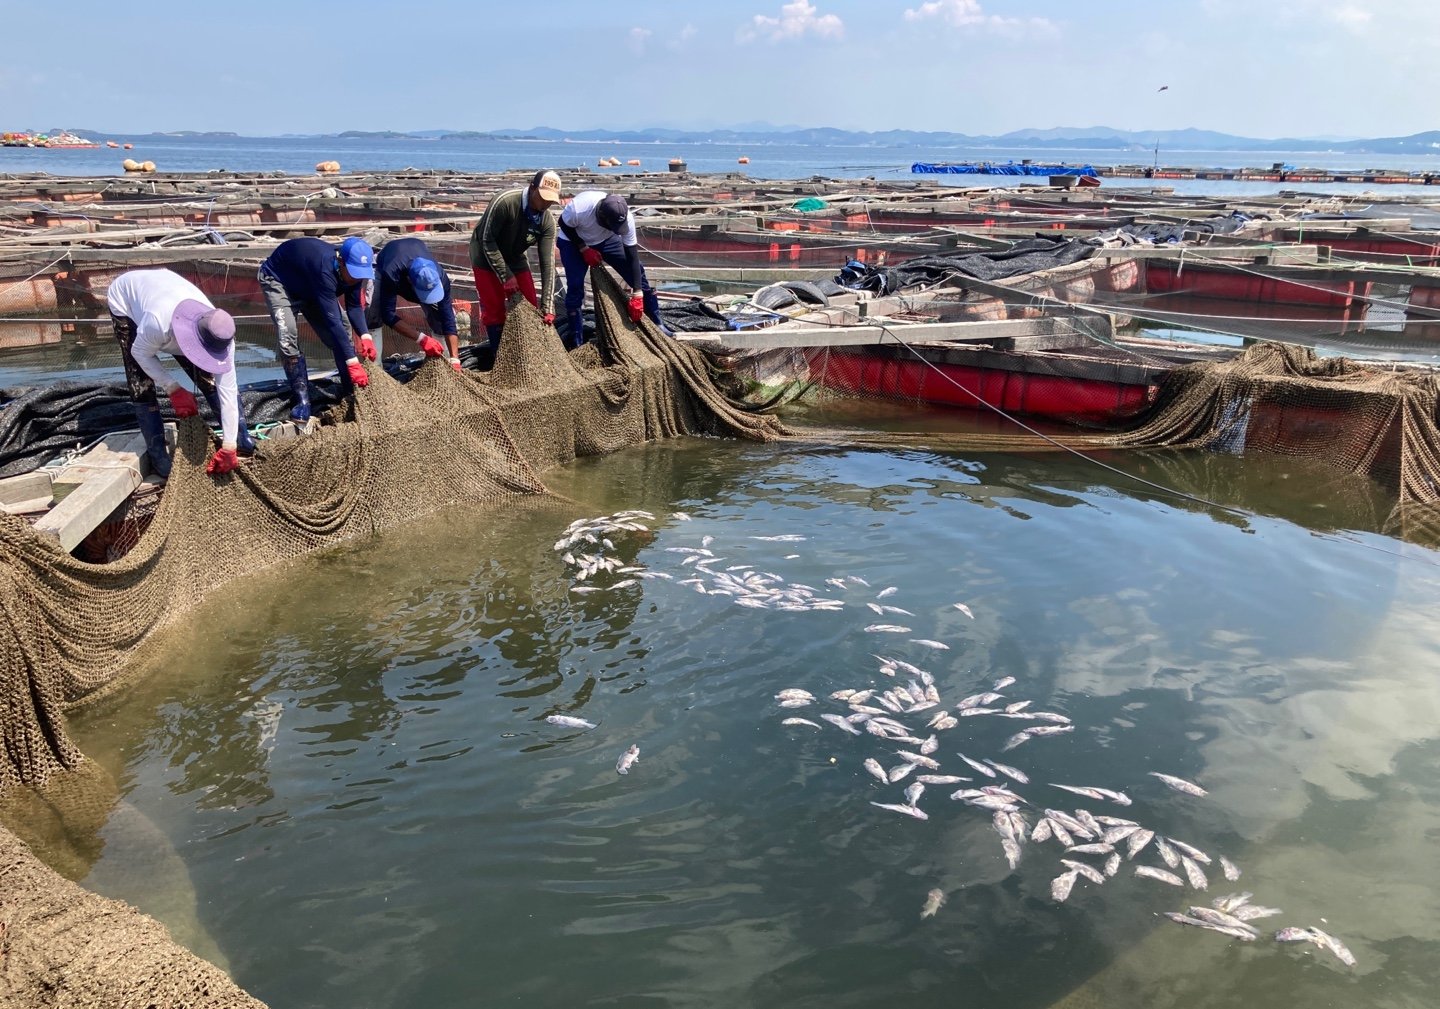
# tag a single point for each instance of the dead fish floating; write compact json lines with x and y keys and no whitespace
{"x":933,"y":902}
{"x":1179,"y":784}
{"x":569,"y":722}
{"x":627,"y":759}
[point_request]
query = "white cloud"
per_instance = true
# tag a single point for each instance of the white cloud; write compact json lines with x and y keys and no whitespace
{"x":796,"y":20}
{"x":1349,"y":16}
{"x":638,"y":38}
{"x":683,"y":37}
{"x":969,"y":14}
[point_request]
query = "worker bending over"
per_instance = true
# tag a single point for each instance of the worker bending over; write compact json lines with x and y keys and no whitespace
{"x":158,"y":311}
{"x":512,"y":222}
{"x":310,"y":276}
{"x":406,"y":269}
{"x":596,"y":228}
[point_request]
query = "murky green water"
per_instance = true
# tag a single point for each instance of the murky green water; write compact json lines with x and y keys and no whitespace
{"x":350,"y":757}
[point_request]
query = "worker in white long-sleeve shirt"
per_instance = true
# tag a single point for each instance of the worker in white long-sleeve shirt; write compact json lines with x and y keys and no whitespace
{"x":159,"y":311}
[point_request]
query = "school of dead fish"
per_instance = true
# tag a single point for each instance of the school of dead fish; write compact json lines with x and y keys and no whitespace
{"x":904,"y":713}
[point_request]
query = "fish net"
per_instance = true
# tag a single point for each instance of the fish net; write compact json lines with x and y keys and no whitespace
{"x":394,"y":453}
{"x":1364,"y":433}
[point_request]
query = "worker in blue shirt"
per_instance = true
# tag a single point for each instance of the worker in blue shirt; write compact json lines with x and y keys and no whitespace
{"x":310,"y":276}
{"x":405,"y":268}
{"x":595,"y":228}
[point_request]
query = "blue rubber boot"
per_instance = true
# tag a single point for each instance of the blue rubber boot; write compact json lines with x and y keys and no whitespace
{"x":299,"y":378}
{"x":492,"y":333}
{"x":577,"y":329}
{"x":152,"y":427}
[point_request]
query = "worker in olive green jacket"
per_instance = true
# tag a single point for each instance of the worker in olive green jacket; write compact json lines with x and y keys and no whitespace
{"x":514,"y":221}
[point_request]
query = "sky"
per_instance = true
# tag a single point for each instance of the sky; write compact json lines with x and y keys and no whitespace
{"x":1257,"y":68}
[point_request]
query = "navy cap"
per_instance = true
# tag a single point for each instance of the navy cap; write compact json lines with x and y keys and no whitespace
{"x":611,"y":212}
{"x":425,"y":278}
{"x":358,"y":257}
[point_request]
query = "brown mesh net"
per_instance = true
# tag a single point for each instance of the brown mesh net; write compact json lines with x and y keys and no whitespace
{"x":396,"y":452}
{"x":1370,"y":427}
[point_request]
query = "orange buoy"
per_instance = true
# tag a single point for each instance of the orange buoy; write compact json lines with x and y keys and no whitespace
{"x":111,"y":144}
{"x":147,"y":166}
{"x":328,"y":167}
{"x":128,"y":146}
{"x":26,"y":297}
{"x":633,"y":161}
{"x":743,"y":160}
{"x":130,"y":165}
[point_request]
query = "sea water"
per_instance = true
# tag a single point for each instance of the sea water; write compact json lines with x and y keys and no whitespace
{"x":351,"y":759}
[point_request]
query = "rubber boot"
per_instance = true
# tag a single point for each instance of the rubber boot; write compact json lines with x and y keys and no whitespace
{"x":244,"y":444}
{"x":152,"y":427}
{"x":299,"y":378}
{"x":577,"y":329}
{"x":492,"y":333}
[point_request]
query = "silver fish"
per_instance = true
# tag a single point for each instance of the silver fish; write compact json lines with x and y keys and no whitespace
{"x":1091,"y":824}
{"x":1011,"y":848}
{"x":857,"y":580}
{"x":933,"y":900}
{"x":1003,"y":825}
{"x":944,"y":722}
{"x":1136,"y":842}
{"x":887,"y":629}
{"x":917,"y":758}
{"x":838,"y":583}
{"x":1061,"y":885}
{"x":1334,"y":945}
{"x":886,"y":593}
{"x":879,"y":610}
{"x":993,"y":802}
{"x":1167,"y":852}
{"x":582,"y":589}
{"x":873,"y":766}
{"x":627,"y":759}
{"x":1085,"y":790}
{"x":1234,"y":933}
{"x":1091,"y":873}
{"x":899,"y":771}
{"x":860,"y":696}
{"x":931,"y":643}
{"x":1114,"y":835}
{"x":782,"y":538}
{"x":1011,"y":709}
{"x":940,"y":779}
{"x":1293,"y":934}
{"x":1041,"y":833}
{"x":937,"y":717}
{"x":1179,"y":784}
{"x":1190,"y":850}
{"x":984,"y":769}
{"x":1090,"y":849}
{"x":929,"y":746}
{"x":801,"y":721}
{"x":840,"y":723}
{"x":913,"y":792}
{"x":914,"y":811}
{"x":844,"y":695}
{"x":1048,"y":730}
{"x":1231,"y":870}
{"x":966,"y":610}
{"x":1214,"y":917}
{"x":1194,"y":873}
{"x":1112,"y":864}
{"x":1049,"y":716}
{"x":1150,"y":872}
{"x":1250,"y":912}
{"x":794,"y":702}
{"x":1231,"y":902}
{"x":1015,"y":740}
{"x":1069,"y":822}
{"x":1009,"y":772}
{"x":569,"y":722}
{"x":978,"y":700}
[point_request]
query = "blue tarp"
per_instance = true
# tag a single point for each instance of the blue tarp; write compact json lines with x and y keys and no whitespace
{"x":1009,"y":168}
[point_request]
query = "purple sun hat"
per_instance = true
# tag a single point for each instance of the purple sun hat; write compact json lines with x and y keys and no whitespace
{"x":206,"y":336}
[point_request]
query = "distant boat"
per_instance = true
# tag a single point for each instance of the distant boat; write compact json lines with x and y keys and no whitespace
{"x":64,"y":139}
{"x":111,"y":143}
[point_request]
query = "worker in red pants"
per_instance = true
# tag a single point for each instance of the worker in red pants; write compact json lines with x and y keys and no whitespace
{"x":511,"y":224}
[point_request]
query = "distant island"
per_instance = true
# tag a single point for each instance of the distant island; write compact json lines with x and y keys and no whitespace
{"x":1096,"y":138}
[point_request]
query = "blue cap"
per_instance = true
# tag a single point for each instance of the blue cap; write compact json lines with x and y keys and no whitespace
{"x":358,"y":257}
{"x":425,"y":278}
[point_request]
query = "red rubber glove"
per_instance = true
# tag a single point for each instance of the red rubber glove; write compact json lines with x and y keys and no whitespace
{"x":549,"y":318}
{"x":637,"y":307}
{"x":223,"y":461}
{"x":455,"y":363}
{"x":182,"y":401}
{"x":591,"y":256}
{"x":510,"y":286}
{"x":357,"y":374}
{"x":366,"y":350}
{"x":431,"y":346}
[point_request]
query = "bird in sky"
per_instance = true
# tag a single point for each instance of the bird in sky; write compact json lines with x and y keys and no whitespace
{"x":1164,"y":87}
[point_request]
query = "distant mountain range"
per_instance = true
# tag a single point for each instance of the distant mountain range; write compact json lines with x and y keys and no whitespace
{"x":1097,"y":138}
